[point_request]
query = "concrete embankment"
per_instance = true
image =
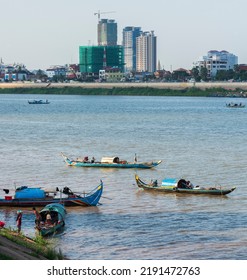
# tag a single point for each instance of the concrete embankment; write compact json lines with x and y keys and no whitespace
{"x":173,"y":86}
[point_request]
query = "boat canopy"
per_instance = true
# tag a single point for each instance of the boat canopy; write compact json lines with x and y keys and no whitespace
{"x":110,"y":160}
{"x":169,"y":182}
{"x":29,"y":193}
{"x":56,"y":207}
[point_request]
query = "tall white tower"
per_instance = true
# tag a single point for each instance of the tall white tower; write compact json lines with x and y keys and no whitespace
{"x":146,"y":52}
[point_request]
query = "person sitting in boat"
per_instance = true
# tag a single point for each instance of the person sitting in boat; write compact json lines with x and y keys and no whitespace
{"x":85,"y":159}
{"x":189,"y":185}
{"x":48,"y":218}
{"x":93,"y":160}
{"x":155,"y":183}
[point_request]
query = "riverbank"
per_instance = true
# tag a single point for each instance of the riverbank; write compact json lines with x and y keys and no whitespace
{"x":153,"y":89}
{"x":14,"y":246}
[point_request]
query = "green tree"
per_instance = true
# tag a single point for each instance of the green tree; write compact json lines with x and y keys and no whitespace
{"x":195,"y":74}
{"x":204,"y":73}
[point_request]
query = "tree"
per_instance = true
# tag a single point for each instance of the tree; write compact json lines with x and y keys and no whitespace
{"x":195,"y":74}
{"x":204,"y":73}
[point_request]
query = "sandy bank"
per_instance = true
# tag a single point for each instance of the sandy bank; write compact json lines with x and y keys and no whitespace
{"x":175,"y":86}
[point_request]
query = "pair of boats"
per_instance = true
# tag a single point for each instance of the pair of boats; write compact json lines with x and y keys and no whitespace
{"x":168,"y":184}
{"x":54,"y":204}
{"x":38,"y":101}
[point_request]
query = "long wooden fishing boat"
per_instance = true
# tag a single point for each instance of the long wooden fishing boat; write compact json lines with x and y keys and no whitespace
{"x":38,"y":101}
{"x":235,"y":105}
{"x":110,"y":162}
{"x":28,"y":197}
{"x":171,"y":185}
{"x":56,"y":222}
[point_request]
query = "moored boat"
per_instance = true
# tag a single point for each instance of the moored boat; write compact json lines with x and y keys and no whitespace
{"x":38,"y":101}
{"x":110,"y":162}
{"x":171,"y":185}
{"x":28,"y":197}
{"x":235,"y":105}
{"x":51,"y":219}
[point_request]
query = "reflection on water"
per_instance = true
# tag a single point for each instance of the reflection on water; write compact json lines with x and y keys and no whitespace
{"x":197,"y":139}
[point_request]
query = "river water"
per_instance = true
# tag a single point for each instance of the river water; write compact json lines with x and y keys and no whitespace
{"x":197,"y":138}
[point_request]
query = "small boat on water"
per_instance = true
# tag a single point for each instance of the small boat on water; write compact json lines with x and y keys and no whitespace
{"x":28,"y":197}
{"x":38,"y":101}
{"x":110,"y":162}
{"x":51,"y":219}
{"x":171,"y":185}
{"x":235,"y":105}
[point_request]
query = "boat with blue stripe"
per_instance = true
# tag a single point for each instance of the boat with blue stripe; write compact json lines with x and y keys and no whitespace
{"x":109,"y":162}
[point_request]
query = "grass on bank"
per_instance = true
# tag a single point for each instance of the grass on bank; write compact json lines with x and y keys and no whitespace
{"x":130,"y":91}
{"x":38,"y":246}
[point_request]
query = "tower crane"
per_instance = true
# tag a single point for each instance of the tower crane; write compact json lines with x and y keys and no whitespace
{"x":100,"y":13}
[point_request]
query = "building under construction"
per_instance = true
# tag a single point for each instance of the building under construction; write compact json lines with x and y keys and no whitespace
{"x":92,"y":59}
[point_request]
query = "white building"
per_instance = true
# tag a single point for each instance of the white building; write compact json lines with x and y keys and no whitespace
{"x":217,"y":60}
{"x":56,"y":71}
{"x":146,"y":52}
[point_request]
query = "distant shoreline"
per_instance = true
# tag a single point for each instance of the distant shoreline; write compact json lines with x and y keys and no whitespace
{"x":220,"y":89}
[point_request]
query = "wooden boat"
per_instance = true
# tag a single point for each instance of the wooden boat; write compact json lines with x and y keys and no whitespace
{"x":110,"y":162}
{"x":235,"y":105}
{"x":28,"y":197}
{"x":171,"y":185}
{"x":56,"y":222}
{"x":38,"y":102}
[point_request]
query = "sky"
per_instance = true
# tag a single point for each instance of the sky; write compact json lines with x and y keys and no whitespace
{"x":40,"y":34}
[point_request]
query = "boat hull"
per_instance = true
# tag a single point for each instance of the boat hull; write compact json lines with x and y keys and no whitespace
{"x":51,"y":230}
{"x":174,"y":189}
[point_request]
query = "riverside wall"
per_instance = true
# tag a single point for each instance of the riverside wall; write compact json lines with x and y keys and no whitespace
{"x":232,"y":86}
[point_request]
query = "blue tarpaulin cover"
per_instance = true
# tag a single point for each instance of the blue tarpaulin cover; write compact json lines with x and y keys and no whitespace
{"x":29,"y":193}
{"x":169,"y":182}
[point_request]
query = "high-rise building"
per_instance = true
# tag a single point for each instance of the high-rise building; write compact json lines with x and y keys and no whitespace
{"x":130,"y":33}
{"x":107,"y":32}
{"x":146,"y":52}
{"x":92,"y":59}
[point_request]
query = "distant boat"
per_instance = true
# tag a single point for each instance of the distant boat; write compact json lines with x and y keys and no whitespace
{"x":235,"y":105}
{"x":171,"y":185}
{"x":38,"y":101}
{"x":56,"y":222}
{"x":110,"y":162}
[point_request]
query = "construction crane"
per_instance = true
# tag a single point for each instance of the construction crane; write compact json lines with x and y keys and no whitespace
{"x":100,"y":13}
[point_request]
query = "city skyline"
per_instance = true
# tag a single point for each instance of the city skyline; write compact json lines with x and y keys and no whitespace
{"x":50,"y":33}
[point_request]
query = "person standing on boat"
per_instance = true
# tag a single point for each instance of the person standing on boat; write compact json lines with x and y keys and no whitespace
{"x":19,"y":220}
{"x":37,"y":217}
{"x":135,"y":159}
